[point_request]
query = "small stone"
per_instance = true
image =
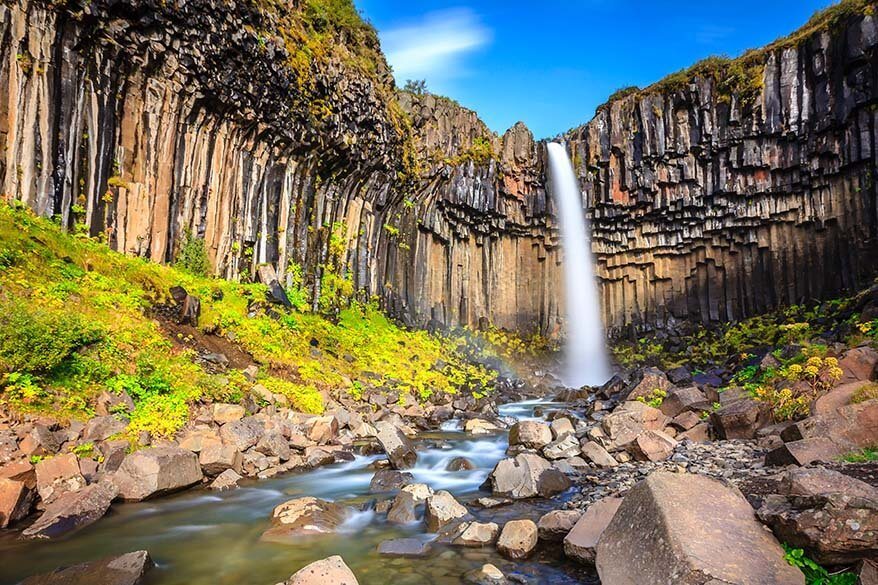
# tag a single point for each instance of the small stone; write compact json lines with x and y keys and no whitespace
{"x":477,"y":534}
{"x":329,"y":571}
{"x":227,"y":413}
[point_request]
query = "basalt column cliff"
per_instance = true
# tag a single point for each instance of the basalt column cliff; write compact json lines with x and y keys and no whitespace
{"x":243,"y":125}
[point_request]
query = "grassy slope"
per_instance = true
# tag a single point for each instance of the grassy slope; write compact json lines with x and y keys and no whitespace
{"x":75,"y":320}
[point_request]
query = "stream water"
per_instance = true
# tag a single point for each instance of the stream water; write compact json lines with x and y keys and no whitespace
{"x":199,"y":537}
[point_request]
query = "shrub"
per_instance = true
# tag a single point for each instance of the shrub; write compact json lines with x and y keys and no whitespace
{"x":192,"y":256}
{"x":35,"y":340}
{"x":814,"y":573}
{"x":655,"y":398}
{"x":798,"y":385}
{"x":867,"y":455}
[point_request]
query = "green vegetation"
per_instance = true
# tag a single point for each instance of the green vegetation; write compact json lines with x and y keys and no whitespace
{"x":868,"y":455}
{"x":415,"y":86}
{"x":655,"y":398}
{"x":814,"y":573}
{"x":77,"y":318}
{"x":480,"y":152}
{"x":867,"y":392}
{"x":192,"y":256}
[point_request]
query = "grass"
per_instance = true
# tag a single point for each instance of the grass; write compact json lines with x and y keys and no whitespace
{"x":868,"y":455}
{"x":75,"y":319}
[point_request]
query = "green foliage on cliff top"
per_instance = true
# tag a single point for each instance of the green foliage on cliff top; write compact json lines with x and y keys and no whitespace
{"x":77,"y":318}
{"x":742,"y":77}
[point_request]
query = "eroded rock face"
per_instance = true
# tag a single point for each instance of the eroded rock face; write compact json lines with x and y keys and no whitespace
{"x":698,"y":199}
{"x":128,"y":569}
{"x":833,"y":516}
{"x":685,"y":528}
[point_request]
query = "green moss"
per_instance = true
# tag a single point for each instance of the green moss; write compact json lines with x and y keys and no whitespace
{"x":867,"y":392}
{"x":868,"y":455}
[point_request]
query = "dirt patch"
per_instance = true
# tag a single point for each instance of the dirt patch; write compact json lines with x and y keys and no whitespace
{"x":207,"y":345}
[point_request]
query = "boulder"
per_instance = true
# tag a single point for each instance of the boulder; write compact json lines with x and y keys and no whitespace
{"x":57,"y":475}
{"x":555,"y":525}
{"x":322,"y":429}
{"x":804,"y":452}
{"x":652,"y":446}
{"x":858,"y":364}
{"x":530,"y":434}
{"x":113,"y":453}
{"x":275,"y":293}
{"x":834,"y":517}
{"x":565,"y":447}
{"x":306,"y":516}
{"x":243,"y":434}
{"x":420,"y":491}
{"x":852,"y":427}
{"x":72,"y":511}
{"x":402,"y":511}
{"x":561,"y":427}
{"x":227,"y":480}
{"x":273,"y":444}
{"x":404,"y":547}
{"x":478,"y":426}
{"x":836,"y":398}
{"x":685,"y":420}
{"x":517,"y":539}
{"x":741,"y":419}
{"x":477,"y":534}
{"x":700,"y":433}
{"x":329,"y":571}
{"x":580,"y":544}
{"x":39,"y":441}
{"x":526,"y":476}
{"x":16,"y":499}
{"x":687,"y":528}
{"x":128,"y":569}
{"x":680,"y":375}
{"x":650,"y":380}
{"x":629,"y":420}
{"x":227,"y":413}
{"x":681,"y":400}
{"x":460,"y":464}
{"x":443,"y":509}
{"x":102,"y":428}
{"x":218,"y":457}
{"x":867,"y":573}
{"x":399,"y":449}
{"x":188,"y":306}
{"x":389,"y":480}
{"x":156,"y":471}
{"x":597,"y":454}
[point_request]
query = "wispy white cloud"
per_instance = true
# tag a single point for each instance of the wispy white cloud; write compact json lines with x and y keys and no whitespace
{"x":433,"y":47}
{"x":710,"y":34}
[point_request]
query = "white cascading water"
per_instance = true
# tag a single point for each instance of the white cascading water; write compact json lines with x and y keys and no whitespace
{"x":586,"y":353}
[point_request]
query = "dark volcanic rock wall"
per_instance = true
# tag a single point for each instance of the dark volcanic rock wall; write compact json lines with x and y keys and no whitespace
{"x":139,"y":120}
{"x":709,"y":211}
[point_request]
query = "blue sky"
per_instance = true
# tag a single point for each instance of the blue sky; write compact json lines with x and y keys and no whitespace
{"x":549,"y":63}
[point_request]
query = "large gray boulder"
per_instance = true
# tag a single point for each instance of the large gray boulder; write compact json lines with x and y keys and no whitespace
{"x":526,"y":476}
{"x":156,"y":471}
{"x":329,"y":571}
{"x":128,"y":569}
{"x":72,"y":511}
{"x":399,"y":449}
{"x":689,"y":529}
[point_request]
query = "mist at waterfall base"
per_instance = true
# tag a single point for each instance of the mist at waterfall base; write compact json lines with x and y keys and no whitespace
{"x":585,"y":347}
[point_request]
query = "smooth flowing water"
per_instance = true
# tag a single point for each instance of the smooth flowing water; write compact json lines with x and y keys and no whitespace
{"x":201,"y":538}
{"x":586,"y":352}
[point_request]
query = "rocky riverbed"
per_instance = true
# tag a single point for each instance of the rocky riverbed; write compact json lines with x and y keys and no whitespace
{"x":461,"y":490}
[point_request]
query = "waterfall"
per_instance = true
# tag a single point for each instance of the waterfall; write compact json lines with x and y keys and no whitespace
{"x":586,"y":354}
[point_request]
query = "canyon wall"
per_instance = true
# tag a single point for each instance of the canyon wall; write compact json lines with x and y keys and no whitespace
{"x":139,"y":121}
